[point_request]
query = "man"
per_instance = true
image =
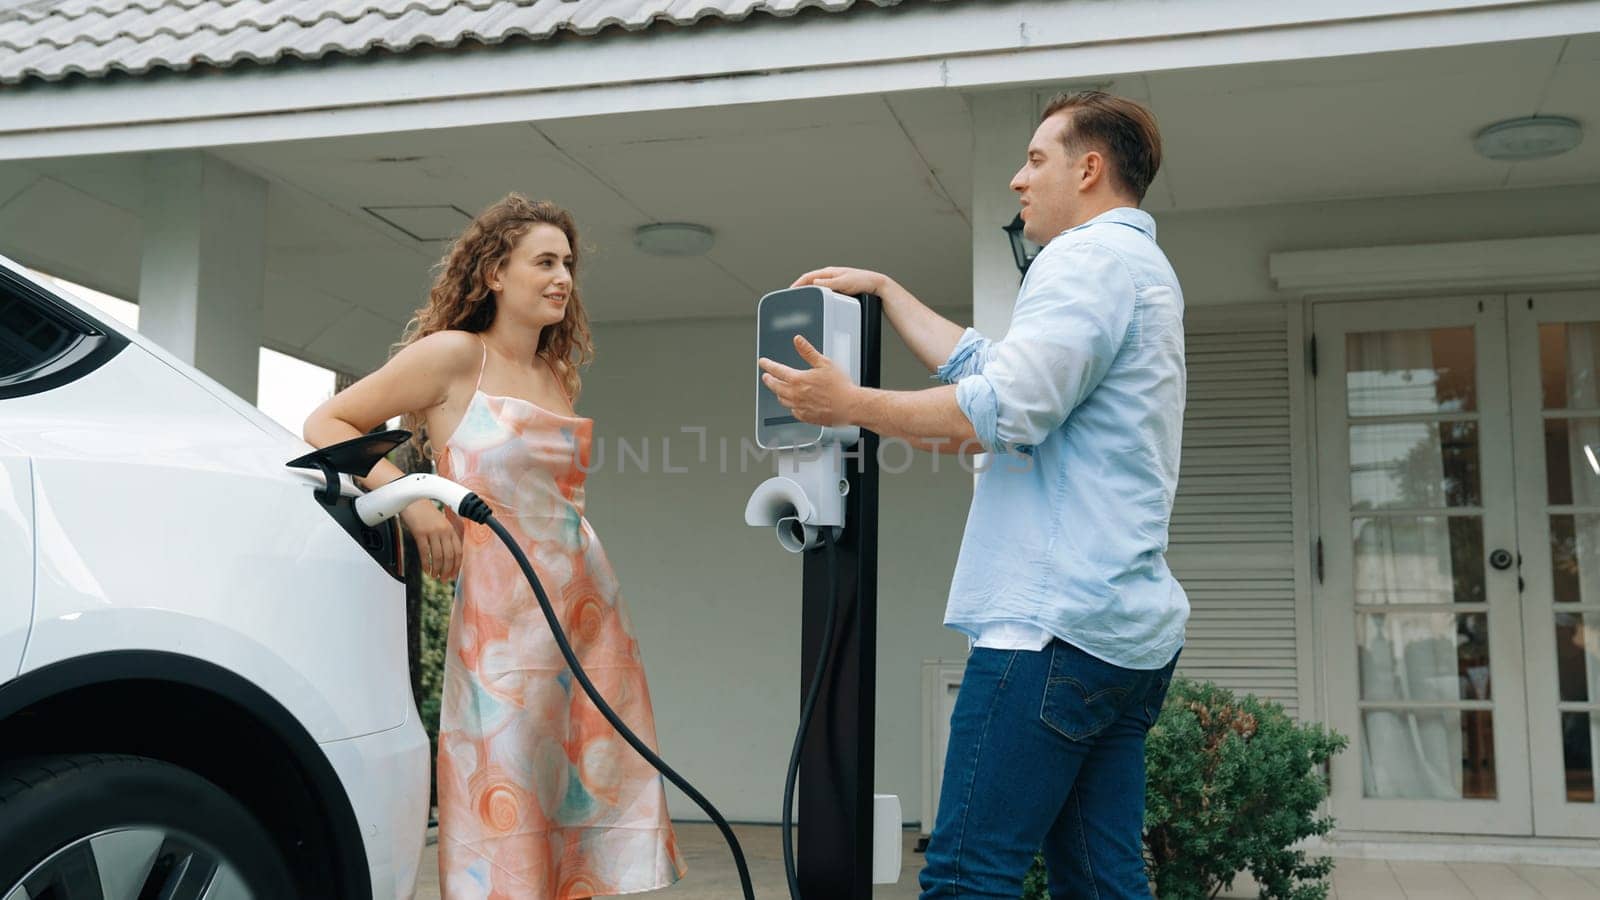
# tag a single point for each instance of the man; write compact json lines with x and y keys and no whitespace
{"x":1061,"y":583}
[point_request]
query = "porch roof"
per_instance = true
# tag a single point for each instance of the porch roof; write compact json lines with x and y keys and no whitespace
{"x":53,"y":39}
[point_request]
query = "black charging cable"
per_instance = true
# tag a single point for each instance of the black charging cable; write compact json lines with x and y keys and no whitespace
{"x":474,"y":508}
{"x":806,"y":710}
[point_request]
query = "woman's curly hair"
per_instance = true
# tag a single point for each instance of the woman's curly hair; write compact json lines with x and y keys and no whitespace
{"x":460,"y":298}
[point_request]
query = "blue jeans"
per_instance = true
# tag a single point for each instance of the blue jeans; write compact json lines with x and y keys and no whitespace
{"x":1046,"y":754}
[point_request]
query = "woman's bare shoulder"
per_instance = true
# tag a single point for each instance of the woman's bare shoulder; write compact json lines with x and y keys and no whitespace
{"x":450,"y":352}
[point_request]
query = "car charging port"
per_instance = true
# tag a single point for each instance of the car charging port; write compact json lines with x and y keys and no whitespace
{"x":357,"y":456}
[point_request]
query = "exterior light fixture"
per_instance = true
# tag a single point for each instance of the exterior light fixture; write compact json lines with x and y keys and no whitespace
{"x":1022,"y":249}
{"x":1520,"y":140}
{"x":673,"y":239}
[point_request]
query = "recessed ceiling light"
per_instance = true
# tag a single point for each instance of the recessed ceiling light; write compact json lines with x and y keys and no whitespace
{"x":1537,"y":137}
{"x":673,"y":239}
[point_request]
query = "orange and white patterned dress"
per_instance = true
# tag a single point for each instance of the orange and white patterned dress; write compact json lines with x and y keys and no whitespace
{"x":539,"y":797}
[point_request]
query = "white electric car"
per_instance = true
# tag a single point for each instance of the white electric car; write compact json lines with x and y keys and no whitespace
{"x":203,"y":670}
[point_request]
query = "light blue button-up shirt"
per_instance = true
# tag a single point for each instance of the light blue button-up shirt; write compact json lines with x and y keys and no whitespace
{"x":1081,"y":406}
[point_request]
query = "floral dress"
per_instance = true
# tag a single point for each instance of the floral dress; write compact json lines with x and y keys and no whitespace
{"x":539,"y":797}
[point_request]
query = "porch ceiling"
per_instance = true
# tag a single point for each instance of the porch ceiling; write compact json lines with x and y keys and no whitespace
{"x":884,"y":181}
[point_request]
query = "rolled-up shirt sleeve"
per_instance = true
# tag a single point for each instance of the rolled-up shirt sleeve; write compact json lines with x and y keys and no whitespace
{"x":966,"y":359}
{"x":1068,"y":325}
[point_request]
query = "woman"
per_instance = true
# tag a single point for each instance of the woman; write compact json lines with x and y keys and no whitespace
{"x":539,"y":798}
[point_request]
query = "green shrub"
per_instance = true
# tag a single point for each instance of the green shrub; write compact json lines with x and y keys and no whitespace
{"x":437,"y":598}
{"x":1232,"y":783}
{"x":1036,"y":886}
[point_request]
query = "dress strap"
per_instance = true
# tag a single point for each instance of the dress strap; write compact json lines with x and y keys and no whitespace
{"x":484,"y":362}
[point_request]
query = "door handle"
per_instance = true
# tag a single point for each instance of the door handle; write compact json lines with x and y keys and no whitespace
{"x":1501,"y":559}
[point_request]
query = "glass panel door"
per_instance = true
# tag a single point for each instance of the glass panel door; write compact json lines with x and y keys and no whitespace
{"x":1420,"y":588}
{"x":1555,"y":373}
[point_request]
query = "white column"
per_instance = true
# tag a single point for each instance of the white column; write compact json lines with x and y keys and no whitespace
{"x":200,"y":281}
{"x":1002,"y":123}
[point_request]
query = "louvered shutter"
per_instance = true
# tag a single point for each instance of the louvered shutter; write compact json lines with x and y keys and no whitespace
{"x":1232,"y":539}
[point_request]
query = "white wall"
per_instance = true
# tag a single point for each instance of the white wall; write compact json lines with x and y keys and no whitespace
{"x":716,"y":604}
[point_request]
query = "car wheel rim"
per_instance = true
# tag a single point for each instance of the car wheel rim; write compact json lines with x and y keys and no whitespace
{"x":130,"y":863}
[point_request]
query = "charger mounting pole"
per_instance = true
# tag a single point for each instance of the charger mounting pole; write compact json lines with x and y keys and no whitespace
{"x":834,"y":857}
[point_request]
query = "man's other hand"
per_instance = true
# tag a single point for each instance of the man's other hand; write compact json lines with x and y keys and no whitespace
{"x":844,"y":280}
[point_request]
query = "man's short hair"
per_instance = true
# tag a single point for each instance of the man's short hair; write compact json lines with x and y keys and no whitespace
{"x":1122,"y":129}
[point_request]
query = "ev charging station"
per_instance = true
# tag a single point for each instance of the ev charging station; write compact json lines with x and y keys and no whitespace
{"x":851,"y":837}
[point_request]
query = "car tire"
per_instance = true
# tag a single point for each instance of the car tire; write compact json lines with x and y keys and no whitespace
{"x":108,"y":826}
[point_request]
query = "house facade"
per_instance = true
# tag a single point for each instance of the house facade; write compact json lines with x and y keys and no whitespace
{"x":1388,"y":517}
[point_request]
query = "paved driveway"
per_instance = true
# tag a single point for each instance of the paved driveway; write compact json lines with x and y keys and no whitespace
{"x":712,"y":875}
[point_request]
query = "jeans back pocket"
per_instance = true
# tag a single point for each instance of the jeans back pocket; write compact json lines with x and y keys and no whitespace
{"x":1084,"y":695}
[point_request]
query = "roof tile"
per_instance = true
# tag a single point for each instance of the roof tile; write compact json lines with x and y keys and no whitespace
{"x":53,"y":39}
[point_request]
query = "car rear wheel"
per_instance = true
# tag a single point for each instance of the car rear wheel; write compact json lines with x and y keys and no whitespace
{"x":113,"y":827}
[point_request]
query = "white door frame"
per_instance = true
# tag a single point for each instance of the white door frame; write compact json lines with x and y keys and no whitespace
{"x":1511,"y":810}
{"x":1518,"y":265}
{"x":1553,"y":814}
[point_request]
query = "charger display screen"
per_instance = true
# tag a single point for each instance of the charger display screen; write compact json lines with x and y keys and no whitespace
{"x":782,"y":315}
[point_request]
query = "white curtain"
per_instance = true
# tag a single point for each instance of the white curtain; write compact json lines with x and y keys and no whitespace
{"x":1404,"y":656}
